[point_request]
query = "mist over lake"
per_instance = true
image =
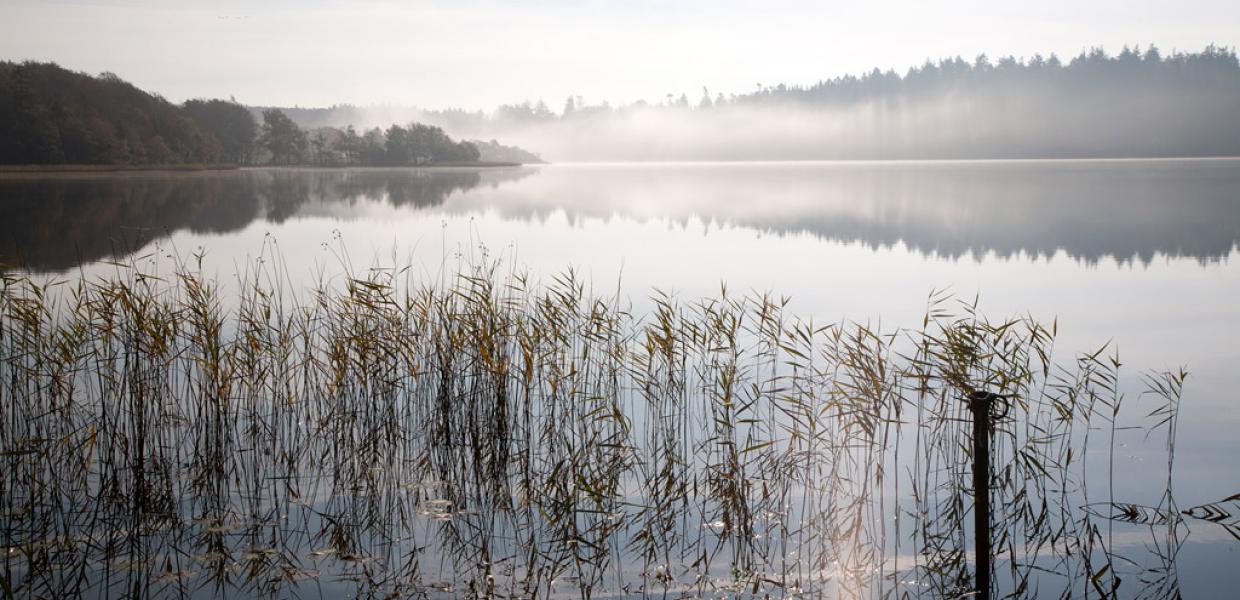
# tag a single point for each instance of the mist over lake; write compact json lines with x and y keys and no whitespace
{"x":632,"y":300}
{"x":1135,"y":256}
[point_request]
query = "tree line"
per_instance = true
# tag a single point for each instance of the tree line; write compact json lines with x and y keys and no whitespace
{"x":1140,"y":102}
{"x":1132,"y":70}
{"x":414,"y":144}
{"x":51,"y":115}
{"x":1148,"y":69}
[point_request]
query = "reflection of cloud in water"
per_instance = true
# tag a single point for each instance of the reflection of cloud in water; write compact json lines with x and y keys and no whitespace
{"x":1088,"y":209}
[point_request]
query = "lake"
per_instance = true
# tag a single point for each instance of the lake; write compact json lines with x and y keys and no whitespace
{"x":1138,"y":254}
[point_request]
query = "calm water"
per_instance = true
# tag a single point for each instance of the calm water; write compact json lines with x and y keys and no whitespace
{"x":1141,"y":254}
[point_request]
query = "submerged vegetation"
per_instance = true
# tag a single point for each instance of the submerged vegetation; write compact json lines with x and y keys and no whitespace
{"x":164,"y":434}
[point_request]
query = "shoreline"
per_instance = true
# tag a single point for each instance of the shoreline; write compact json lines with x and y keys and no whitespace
{"x":190,"y":168}
{"x":113,"y":168}
{"x":37,"y":169}
{"x":437,"y":165}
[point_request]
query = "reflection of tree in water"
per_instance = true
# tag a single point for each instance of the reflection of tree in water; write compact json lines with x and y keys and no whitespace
{"x":417,"y":188}
{"x":57,"y":222}
{"x":284,"y":194}
{"x":1089,"y":211}
{"x":423,"y":190}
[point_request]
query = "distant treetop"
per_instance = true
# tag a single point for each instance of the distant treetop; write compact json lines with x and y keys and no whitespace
{"x":1090,"y":69}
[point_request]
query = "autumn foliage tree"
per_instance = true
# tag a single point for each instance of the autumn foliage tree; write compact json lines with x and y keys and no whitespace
{"x":50,"y":115}
{"x":231,"y":124}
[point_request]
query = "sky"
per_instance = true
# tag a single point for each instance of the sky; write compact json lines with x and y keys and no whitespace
{"x":477,"y":54}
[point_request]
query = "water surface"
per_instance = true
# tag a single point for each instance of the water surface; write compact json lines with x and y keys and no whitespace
{"x":1140,"y":254}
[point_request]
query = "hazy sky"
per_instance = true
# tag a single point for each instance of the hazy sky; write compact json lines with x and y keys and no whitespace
{"x":477,"y":54}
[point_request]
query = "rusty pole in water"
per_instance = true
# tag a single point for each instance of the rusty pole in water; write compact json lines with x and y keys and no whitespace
{"x":979,"y":404}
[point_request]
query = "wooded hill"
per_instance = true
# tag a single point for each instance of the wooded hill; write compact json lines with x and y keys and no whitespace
{"x":52,"y":116}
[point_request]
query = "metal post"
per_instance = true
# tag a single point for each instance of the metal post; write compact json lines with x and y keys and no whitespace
{"x":980,"y":403}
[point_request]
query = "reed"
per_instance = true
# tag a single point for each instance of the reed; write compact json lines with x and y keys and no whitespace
{"x":166,"y":435}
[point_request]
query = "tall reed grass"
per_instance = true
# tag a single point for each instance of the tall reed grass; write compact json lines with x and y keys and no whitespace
{"x":491,"y":437}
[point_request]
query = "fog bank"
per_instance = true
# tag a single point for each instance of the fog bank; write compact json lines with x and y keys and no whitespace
{"x":1134,"y":104}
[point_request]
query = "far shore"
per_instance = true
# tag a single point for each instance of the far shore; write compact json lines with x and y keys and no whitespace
{"x":113,"y":168}
{"x":433,"y":165}
{"x":475,"y":164}
{"x":230,"y":167}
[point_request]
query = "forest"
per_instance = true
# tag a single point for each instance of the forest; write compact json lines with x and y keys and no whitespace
{"x":52,"y":116}
{"x":1139,"y":102}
